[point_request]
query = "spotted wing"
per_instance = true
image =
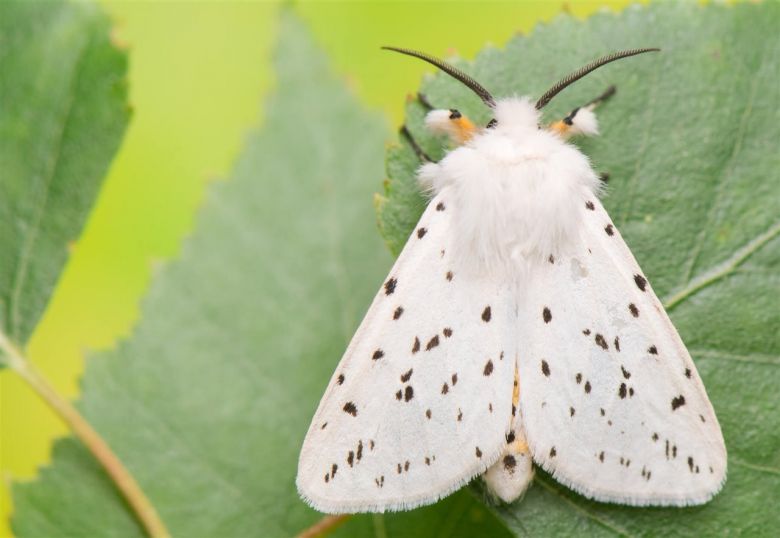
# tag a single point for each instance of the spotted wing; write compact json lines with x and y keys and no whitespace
{"x":612,"y":403}
{"x":421,"y":401}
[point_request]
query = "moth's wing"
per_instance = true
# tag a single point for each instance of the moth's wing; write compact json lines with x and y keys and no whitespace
{"x":612,"y":403}
{"x":421,"y":401}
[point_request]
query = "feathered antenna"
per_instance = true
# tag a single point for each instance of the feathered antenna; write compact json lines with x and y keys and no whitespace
{"x":581,"y":72}
{"x":454,"y":72}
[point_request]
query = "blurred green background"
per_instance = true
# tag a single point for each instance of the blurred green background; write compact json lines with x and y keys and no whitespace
{"x":198,"y":74}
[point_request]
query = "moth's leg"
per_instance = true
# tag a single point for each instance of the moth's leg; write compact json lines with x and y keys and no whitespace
{"x":582,"y":120}
{"x":415,"y":146}
{"x":511,"y":475}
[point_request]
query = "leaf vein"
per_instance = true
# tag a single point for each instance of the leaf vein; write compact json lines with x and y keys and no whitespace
{"x":723,"y":269}
{"x":720,"y":186}
{"x":609,"y":525}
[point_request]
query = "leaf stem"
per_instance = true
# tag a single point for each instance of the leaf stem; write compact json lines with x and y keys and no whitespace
{"x":118,"y":473}
{"x":323,"y":526}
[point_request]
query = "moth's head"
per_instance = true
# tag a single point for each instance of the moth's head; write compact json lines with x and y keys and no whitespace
{"x":518,"y":113}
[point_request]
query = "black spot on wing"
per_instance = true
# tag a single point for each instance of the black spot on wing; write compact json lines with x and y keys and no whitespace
{"x":390,"y":286}
{"x":546,"y":315}
{"x":678,"y":401}
{"x":652,"y":350}
{"x":601,"y":342}
{"x":545,"y":369}
{"x":448,"y":276}
{"x":408,"y":393}
{"x":510,"y":437}
{"x":617,"y":343}
{"x":622,"y":391}
{"x":586,"y":332}
{"x":641,"y":282}
{"x":633,"y":309}
{"x":551,"y":259}
{"x":626,"y":373}
{"x":445,"y":388}
{"x":509,"y":462}
{"x":350,"y":408}
{"x":478,"y":452}
{"x":416,"y":345}
{"x":589,"y":205}
{"x":340,"y":380}
{"x":688,"y":373}
{"x":553,"y":452}
{"x":587,"y":387}
{"x":407,"y":376}
{"x":454,"y":379}
{"x":432,"y":343}
{"x":428,"y":414}
{"x":609,"y":229}
{"x":447,"y":332}
{"x":421,"y":232}
{"x":440,"y":206}
{"x":486,"y":314}
{"x":378,"y":354}
{"x":488,"y":368}
{"x":398,"y":312}
{"x":578,"y":378}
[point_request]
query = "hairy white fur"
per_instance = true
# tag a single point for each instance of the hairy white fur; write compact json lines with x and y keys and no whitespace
{"x":439,"y":122}
{"x":584,"y":123}
{"x":518,"y":190}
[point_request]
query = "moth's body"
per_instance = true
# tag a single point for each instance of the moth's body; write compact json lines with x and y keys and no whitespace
{"x":518,"y":190}
{"x":515,"y":326}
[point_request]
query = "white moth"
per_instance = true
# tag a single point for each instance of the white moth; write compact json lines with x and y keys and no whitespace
{"x":515,"y":327}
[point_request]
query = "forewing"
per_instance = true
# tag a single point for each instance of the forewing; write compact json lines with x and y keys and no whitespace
{"x":420,"y":402}
{"x":612,"y":403}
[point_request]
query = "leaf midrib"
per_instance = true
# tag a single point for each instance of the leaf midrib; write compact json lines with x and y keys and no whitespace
{"x":25,"y":253}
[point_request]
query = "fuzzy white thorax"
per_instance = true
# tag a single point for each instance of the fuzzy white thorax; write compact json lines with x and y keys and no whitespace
{"x":518,"y":191}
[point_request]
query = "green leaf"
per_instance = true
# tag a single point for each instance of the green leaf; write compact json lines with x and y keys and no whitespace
{"x":690,"y":142}
{"x":63,"y":110}
{"x":208,"y":402}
